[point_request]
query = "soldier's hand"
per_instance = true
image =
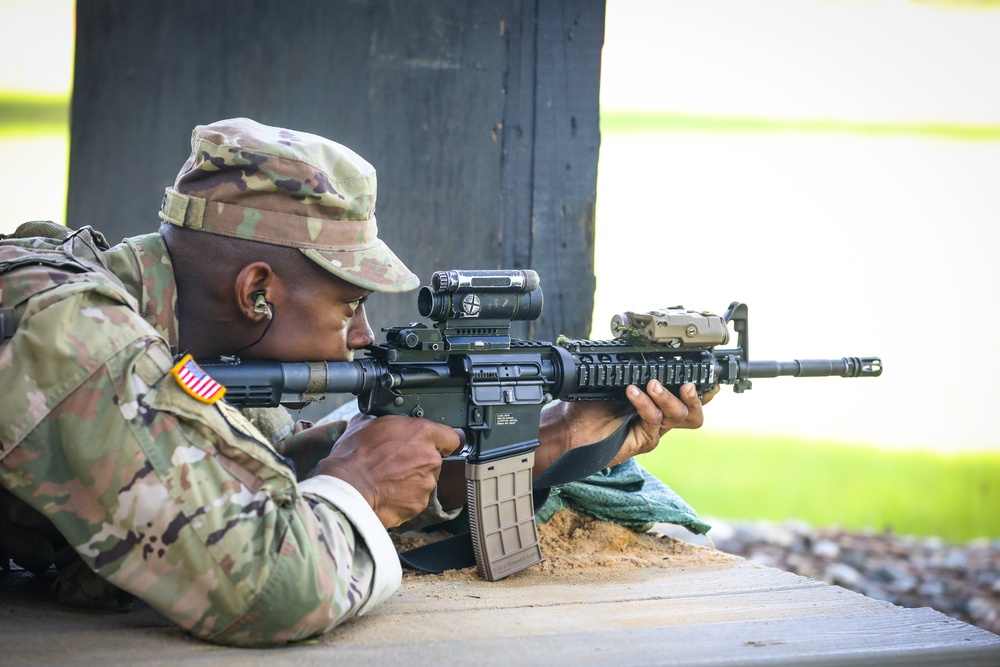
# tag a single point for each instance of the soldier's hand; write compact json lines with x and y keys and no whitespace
{"x":658,"y":411}
{"x":653,"y":412}
{"x":393,"y":461}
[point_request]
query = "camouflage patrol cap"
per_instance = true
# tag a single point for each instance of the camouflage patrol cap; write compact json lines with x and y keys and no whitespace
{"x":288,"y":188}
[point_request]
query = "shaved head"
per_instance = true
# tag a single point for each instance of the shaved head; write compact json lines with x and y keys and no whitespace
{"x":315,"y":314}
{"x":209,"y":260}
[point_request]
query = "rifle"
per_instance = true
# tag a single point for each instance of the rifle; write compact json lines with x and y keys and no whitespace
{"x":467,"y":372}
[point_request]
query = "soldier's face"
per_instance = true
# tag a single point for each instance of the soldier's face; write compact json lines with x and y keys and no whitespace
{"x":318,"y":320}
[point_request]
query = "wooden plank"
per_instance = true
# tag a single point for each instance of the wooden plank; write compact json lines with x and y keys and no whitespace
{"x":915,"y":637}
{"x":712,"y":613}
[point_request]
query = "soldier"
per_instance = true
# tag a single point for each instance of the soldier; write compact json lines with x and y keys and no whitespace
{"x":116,"y":452}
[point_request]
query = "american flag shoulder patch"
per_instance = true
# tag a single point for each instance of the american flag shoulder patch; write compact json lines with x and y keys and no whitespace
{"x":196,"y":382}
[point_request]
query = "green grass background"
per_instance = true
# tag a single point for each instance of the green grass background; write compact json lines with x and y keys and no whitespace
{"x":638,"y":122}
{"x":910,"y":492}
{"x":742,"y":477}
{"x":27,"y":114}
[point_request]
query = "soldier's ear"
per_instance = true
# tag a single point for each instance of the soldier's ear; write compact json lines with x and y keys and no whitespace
{"x":254,"y":291}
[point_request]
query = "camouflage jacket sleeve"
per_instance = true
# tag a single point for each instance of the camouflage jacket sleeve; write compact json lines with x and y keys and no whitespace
{"x":179,"y":502}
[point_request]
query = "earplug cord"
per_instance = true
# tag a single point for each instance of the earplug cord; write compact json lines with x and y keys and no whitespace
{"x":270,"y":321}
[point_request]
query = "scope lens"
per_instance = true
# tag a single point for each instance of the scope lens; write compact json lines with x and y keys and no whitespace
{"x":426,"y":299}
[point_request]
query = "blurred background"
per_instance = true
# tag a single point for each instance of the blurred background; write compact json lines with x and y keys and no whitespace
{"x":833,"y":164}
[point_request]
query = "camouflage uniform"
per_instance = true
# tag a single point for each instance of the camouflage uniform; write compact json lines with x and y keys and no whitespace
{"x":181,"y":502}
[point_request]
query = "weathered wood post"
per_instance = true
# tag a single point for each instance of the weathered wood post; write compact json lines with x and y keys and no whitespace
{"x":481,"y":118}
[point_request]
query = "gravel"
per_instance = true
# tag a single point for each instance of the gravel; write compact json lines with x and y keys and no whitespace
{"x":960,"y":580}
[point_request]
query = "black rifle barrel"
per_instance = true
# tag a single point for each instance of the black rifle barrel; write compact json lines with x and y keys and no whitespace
{"x":848,"y":367}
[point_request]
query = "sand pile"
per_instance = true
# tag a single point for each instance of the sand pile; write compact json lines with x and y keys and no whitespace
{"x":577,"y":544}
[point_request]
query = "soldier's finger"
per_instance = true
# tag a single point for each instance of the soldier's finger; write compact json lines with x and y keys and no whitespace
{"x":675,"y":411}
{"x":695,"y":416}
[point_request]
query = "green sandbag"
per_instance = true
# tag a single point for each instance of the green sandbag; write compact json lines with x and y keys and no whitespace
{"x":626,"y":494}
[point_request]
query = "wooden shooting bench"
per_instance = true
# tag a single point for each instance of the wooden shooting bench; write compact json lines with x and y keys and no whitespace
{"x":700,"y":607}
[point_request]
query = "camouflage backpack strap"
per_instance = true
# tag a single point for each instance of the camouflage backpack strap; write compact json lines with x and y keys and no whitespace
{"x":55,"y":245}
{"x":27,"y":537}
{"x":42,"y":242}
{"x":42,"y":228}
